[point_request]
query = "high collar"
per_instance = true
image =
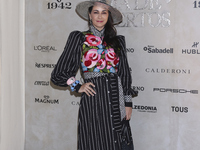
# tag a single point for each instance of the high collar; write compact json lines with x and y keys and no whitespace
{"x":97,"y":32}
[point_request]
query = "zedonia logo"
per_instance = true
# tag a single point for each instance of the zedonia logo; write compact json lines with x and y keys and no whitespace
{"x":149,"y":109}
{"x":152,"y":49}
{"x":181,"y":91}
{"x":46,"y":100}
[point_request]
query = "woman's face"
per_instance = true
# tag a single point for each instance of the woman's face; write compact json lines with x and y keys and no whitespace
{"x":99,"y":16}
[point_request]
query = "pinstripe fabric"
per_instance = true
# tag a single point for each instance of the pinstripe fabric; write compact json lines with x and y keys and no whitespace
{"x":99,"y":127}
{"x":69,"y":61}
{"x":124,"y":72}
{"x":99,"y":123}
{"x":121,"y":100}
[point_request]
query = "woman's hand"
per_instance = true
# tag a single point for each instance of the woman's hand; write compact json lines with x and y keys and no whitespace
{"x":86,"y":87}
{"x":128,"y":113}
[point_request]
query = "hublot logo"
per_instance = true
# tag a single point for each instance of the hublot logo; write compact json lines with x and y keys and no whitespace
{"x":168,"y":71}
{"x":150,"y":109}
{"x":46,"y":100}
{"x":192,"y":51}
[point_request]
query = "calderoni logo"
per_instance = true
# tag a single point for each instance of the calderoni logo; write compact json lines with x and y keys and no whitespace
{"x":152,"y":50}
{"x":75,"y":103}
{"x":41,"y":48}
{"x":170,"y":90}
{"x":150,"y":109}
{"x":193,"y":50}
{"x":179,"y":109}
{"x":42,"y":83}
{"x":142,"y":13}
{"x":167,"y":71}
{"x":40,"y":65}
{"x":46,"y":100}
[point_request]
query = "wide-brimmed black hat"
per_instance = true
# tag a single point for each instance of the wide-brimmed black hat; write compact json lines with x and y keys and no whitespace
{"x":82,"y":10}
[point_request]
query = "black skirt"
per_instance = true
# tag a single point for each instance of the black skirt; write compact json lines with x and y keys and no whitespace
{"x":99,"y":124}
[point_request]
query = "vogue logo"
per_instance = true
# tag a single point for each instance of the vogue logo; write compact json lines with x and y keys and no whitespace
{"x":38,"y":65}
{"x":46,"y":100}
{"x":151,"y":109}
{"x":42,"y":83}
{"x":181,"y":91}
{"x":44,"y":48}
{"x":172,"y":71}
{"x":151,"y":49}
{"x":180,"y":109}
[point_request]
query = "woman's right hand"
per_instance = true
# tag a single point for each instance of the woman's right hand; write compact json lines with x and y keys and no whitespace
{"x":86,"y":87}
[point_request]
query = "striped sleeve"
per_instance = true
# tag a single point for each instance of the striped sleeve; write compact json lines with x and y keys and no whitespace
{"x":69,"y":61}
{"x":125,"y":74}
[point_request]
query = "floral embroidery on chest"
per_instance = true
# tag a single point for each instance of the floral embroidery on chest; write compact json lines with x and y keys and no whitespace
{"x":97,"y":56}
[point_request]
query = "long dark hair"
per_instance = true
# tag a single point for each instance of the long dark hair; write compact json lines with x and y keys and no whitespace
{"x":110,"y":33}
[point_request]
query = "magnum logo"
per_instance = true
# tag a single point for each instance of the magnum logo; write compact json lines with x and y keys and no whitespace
{"x":46,"y":100}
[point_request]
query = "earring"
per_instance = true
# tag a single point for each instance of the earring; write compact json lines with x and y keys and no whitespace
{"x":90,"y":21}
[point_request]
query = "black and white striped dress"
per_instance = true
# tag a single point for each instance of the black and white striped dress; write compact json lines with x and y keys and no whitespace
{"x":99,"y":122}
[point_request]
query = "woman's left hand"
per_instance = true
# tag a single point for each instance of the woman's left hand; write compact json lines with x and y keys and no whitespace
{"x":128,"y":113}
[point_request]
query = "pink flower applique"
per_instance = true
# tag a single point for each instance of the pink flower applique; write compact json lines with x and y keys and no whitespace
{"x":90,"y":58}
{"x":92,"y":40}
{"x":108,"y":65}
{"x":112,"y":57}
{"x":101,"y":64}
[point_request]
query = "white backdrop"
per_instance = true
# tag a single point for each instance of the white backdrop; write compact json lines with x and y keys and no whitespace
{"x":12,"y":75}
{"x":162,"y":46}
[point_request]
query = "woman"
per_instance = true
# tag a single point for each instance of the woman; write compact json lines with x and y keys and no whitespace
{"x":106,"y":92}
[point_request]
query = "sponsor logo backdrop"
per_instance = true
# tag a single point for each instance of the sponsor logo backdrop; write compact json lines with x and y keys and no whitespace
{"x":162,"y":38}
